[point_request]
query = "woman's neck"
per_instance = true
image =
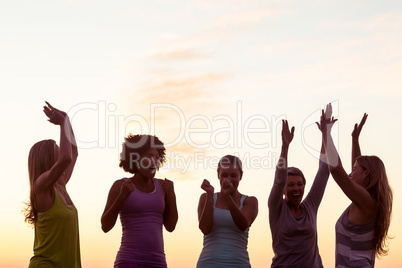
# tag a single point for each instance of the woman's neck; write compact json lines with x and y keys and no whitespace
{"x":295,"y":210}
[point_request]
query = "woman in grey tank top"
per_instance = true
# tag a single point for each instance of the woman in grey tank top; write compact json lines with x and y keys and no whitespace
{"x":225,"y":218}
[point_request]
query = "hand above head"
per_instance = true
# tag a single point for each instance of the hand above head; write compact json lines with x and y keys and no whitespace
{"x":56,"y":116}
{"x":207,"y":187}
{"x":287,"y":135}
{"x":326,"y":119}
{"x":358,"y":127}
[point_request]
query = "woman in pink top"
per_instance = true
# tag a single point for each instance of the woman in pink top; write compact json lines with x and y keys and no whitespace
{"x":144,"y":204}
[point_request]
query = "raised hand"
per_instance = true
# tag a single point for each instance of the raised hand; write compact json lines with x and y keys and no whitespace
{"x":207,"y":187}
{"x":287,"y":135}
{"x":358,"y":127}
{"x":55,"y":116}
{"x":326,"y":120}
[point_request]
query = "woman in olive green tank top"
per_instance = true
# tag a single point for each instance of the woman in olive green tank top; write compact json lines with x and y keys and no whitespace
{"x":50,"y":209}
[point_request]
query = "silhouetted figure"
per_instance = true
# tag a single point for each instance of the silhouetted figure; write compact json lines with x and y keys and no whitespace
{"x":293,"y":222}
{"x":143,"y":202}
{"x":50,"y":210}
{"x":225,"y":218}
{"x":362,"y":229}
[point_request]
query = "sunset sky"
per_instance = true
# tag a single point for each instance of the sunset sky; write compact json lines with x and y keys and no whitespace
{"x":209,"y":78}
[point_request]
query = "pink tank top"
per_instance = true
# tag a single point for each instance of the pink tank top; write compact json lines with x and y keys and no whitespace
{"x":141,"y":218}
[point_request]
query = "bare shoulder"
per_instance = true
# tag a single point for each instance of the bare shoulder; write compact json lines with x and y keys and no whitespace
{"x":165,"y":180}
{"x":203,"y":197}
{"x":250,"y":200}
{"x":117,"y":184}
{"x":120,"y":181}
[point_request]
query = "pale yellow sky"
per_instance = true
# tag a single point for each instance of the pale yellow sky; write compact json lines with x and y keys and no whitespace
{"x":209,"y":79}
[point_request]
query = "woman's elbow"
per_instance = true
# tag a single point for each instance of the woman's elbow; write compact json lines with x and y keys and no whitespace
{"x":170,"y":227}
{"x":106,"y":227}
{"x":75,"y":154}
{"x":205,"y":231}
{"x":245,"y":226}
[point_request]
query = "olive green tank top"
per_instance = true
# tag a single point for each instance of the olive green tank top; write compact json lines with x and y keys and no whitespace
{"x":56,"y":241}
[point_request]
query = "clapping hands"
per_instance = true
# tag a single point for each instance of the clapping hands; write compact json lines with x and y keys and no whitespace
{"x":326,"y":120}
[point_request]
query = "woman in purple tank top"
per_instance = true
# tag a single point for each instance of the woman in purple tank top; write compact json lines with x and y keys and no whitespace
{"x":144,"y":204}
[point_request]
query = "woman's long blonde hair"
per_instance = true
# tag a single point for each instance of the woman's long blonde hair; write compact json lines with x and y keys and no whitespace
{"x":378,"y":186}
{"x":41,"y":158}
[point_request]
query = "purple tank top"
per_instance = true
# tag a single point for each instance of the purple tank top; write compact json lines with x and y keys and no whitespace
{"x":141,"y":218}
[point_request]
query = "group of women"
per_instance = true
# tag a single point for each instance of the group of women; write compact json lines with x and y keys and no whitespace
{"x":145,"y":204}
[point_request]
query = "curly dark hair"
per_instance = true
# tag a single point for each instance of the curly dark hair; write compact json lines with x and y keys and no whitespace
{"x":134,"y":148}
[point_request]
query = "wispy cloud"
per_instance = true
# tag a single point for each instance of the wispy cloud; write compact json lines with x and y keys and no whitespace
{"x":172,"y":99}
{"x":281,"y":46}
{"x":389,"y":21}
{"x":183,"y":90}
{"x":177,"y":54}
{"x":245,"y":17}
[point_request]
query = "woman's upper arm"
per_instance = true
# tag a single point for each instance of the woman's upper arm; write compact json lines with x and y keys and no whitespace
{"x":69,"y":171}
{"x":319,"y":184}
{"x":250,"y":208}
{"x":201,"y":204}
{"x":113,"y":194}
{"x":355,"y":192}
{"x":276,"y":194}
{"x":49,"y":178}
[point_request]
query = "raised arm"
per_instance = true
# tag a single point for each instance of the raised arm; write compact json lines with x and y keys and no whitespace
{"x":205,"y":208}
{"x":118,"y":193}
{"x":281,"y":174}
{"x":170,"y":215}
{"x":48,"y":179}
{"x":74,"y":150}
{"x":355,"y":139}
{"x":321,"y":178}
{"x":355,"y":192}
{"x":242,"y":218}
